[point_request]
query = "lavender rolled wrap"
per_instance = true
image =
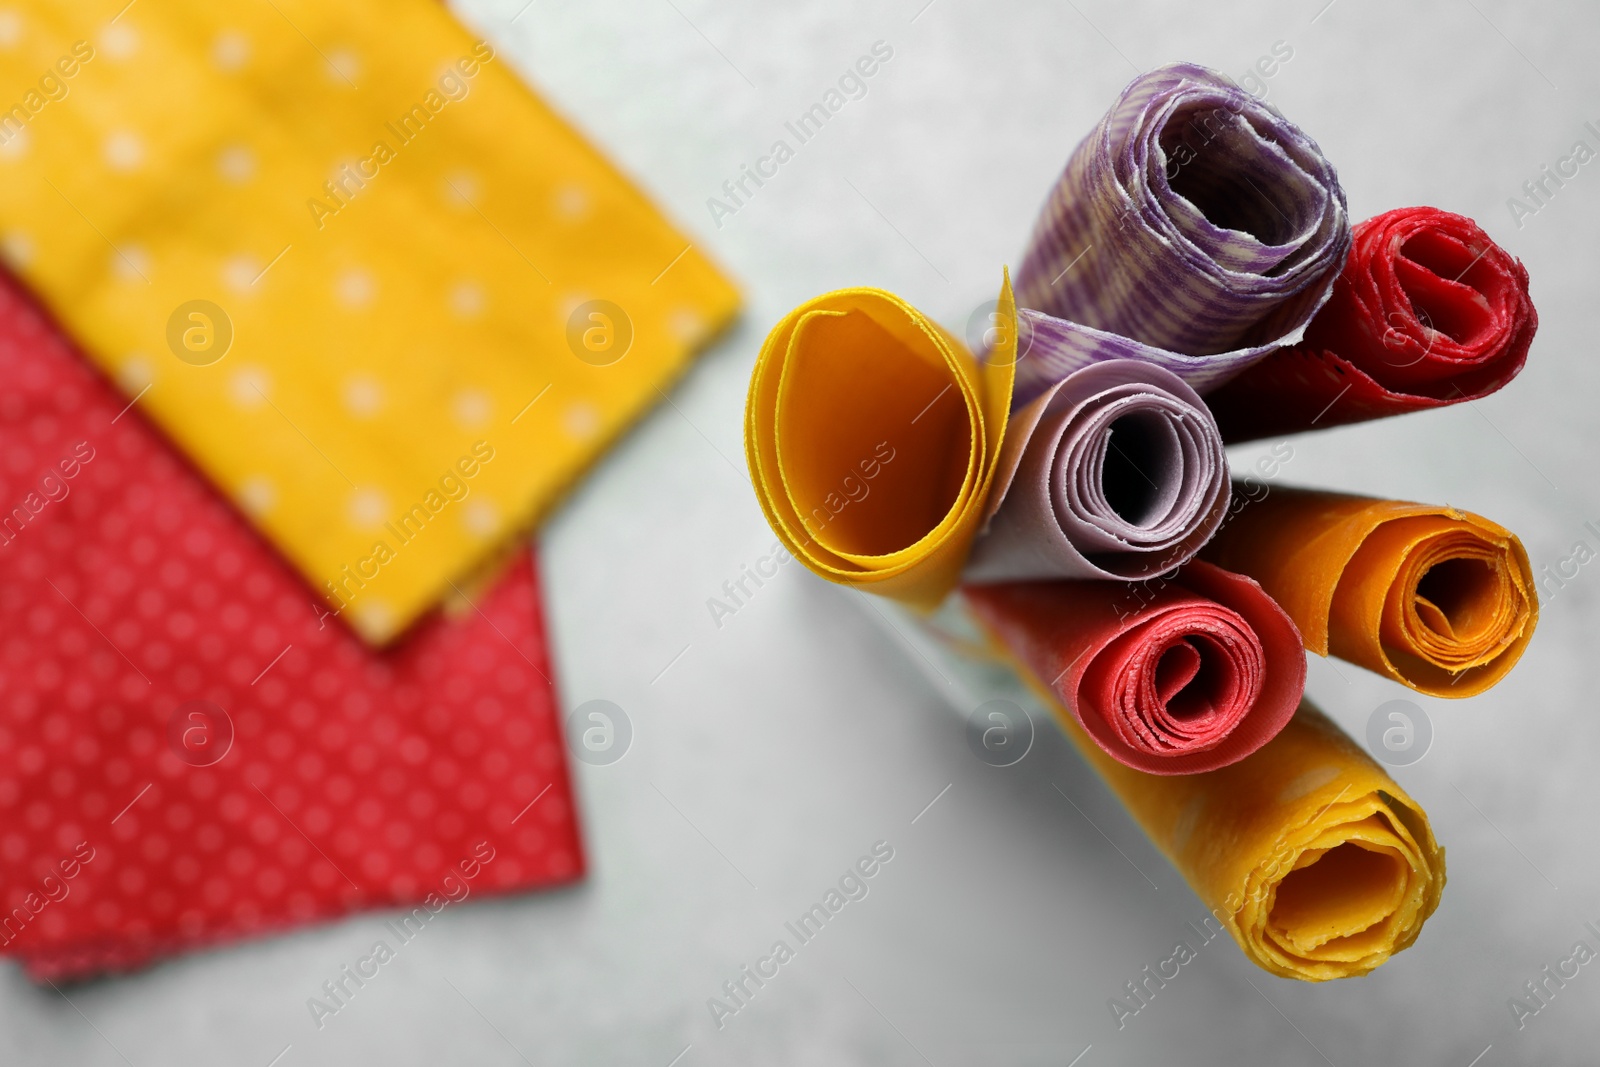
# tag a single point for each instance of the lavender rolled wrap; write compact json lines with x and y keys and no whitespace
{"x":1117,"y":471}
{"x":1195,"y":228}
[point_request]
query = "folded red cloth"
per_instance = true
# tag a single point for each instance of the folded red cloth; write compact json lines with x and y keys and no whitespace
{"x":191,"y":751}
{"x":1429,"y":311}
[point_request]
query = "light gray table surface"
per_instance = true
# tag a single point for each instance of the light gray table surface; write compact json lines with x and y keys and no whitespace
{"x":772,"y":751}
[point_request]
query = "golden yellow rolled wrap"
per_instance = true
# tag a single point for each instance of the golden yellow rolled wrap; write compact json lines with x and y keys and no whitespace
{"x":853,"y":405}
{"x":1306,"y":851}
{"x":1438,"y":599}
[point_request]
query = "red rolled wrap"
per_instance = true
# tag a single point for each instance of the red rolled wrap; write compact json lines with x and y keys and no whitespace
{"x":1173,"y":676}
{"x":1428,"y":311}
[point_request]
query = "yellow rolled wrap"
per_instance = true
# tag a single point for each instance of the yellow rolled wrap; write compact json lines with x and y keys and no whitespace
{"x":1306,"y":851}
{"x":873,"y":435}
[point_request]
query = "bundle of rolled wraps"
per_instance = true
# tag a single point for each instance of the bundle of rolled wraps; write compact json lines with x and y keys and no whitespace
{"x":1068,"y":477}
{"x":870,"y":433}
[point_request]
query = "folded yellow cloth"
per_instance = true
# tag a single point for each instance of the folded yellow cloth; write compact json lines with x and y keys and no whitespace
{"x":853,"y":407}
{"x":378,"y":291}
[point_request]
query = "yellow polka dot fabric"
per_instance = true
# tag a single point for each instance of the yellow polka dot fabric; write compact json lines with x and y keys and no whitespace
{"x":380,"y":293}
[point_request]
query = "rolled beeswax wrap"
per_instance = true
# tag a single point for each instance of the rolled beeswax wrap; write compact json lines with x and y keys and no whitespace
{"x":1438,"y":599}
{"x":1428,"y":311}
{"x":1117,"y":471}
{"x":191,"y":750}
{"x":1183,"y":676}
{"x":873,"y":436}
{"x":1195,"y":228}
{"x":399,"y":360}
{"x":1306,"y":851}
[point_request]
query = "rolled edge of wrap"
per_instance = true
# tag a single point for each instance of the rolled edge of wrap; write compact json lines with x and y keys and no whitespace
{"x":1117,"y":655}
{"x":1441,"y":600}
{"x":872,"y":436}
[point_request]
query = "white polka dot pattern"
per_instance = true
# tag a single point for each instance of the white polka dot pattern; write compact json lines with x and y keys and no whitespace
{"x":385,"y":229}
{"x":354,"y":779}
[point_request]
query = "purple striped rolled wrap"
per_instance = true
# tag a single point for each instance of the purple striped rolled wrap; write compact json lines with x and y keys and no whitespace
{"x":1195,"y":228}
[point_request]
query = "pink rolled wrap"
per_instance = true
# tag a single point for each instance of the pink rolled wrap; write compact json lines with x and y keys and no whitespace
{"x":1116,"y":471}
{"x":1179,"y":676}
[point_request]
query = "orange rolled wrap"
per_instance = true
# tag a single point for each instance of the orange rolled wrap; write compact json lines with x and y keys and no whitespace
{"x":1438,"y":599}
{"x":873,"y":436}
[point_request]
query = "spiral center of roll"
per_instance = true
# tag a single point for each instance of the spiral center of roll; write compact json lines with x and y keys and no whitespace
{"x":1187,"y":682}
{"x":1459,"y":599}
{"x":1192,"y":688}
{"x":1322,"y":909}
{"x":1210,"y":164}
{"x":1137,"y":452}
{"x":1431,"y":272}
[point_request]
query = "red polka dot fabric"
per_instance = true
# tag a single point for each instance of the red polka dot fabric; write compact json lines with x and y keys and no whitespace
{"x":190,"y":751}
